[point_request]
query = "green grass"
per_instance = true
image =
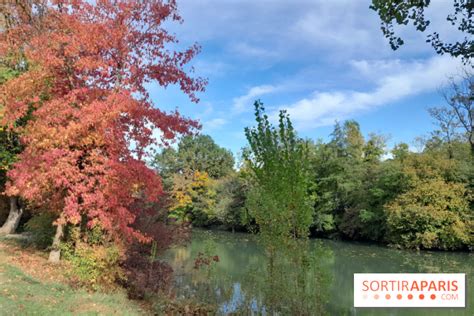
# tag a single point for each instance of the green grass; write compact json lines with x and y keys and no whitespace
{"x":20,"y":294}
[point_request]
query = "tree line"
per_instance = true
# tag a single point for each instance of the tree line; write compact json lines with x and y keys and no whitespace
{"x":351,"y":186}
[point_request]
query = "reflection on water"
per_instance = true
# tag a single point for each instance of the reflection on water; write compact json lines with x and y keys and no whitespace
{"x":238,"y":282}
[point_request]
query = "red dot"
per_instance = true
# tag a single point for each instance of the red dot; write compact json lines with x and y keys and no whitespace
{"x":433,"y":296}
{"x":410,"y":296}
{"x":399,"y":296}
{"x":376,"y":296}
{"x":422,"y":296}
{"x":387,"y":296}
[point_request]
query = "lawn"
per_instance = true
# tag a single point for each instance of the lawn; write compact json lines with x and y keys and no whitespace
{"x":30,"y":286}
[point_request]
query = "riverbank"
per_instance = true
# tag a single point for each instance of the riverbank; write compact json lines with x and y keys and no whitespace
{"x":29,"y":285}
{"x":336,"y":238}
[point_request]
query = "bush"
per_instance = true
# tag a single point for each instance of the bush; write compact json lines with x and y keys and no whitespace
{"x":434,"y":214}
{"x":94,"y":264}
{"x":41,"y":228}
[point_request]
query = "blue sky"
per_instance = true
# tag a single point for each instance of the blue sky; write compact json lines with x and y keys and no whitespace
{"x":321,"y":60}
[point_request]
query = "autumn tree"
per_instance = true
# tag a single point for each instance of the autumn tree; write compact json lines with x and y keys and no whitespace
{"x":433,"y":214}
{"x":13,"y":13}
{"x":85,"y":149}
{"x":193,"y":198}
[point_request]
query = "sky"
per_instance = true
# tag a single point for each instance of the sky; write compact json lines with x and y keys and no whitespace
{"x":323,"y":61}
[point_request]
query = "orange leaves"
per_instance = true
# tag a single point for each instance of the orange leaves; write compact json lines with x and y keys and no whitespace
{"x":92,"y":120}
{"x":20,"y":93}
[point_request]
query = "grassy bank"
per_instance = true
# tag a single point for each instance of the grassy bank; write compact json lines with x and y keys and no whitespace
{"x":31,"y":286}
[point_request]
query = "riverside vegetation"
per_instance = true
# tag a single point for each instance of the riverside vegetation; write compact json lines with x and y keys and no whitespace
{"x":349,"y":188}
{"x":82,"y":187}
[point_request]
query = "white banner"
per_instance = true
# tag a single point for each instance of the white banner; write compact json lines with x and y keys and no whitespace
{"x":409,"y":290}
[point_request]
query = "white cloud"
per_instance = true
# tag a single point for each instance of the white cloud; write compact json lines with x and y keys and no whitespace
{"x":214,"y":124}
{"x":392,"y":80}
{"x":278,"y":30}
{"x":245,"y":102}
{"x":249,"y":50}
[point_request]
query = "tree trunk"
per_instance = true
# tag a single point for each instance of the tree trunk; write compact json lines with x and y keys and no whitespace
{"x":11,"y":224}
{"x":55,"y":253}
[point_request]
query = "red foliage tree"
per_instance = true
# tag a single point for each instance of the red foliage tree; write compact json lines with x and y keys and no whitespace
{"x":92,"y":116}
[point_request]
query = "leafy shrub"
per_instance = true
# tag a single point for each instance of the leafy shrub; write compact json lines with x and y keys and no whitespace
{"x":95,"y":262}
{"x":434,"y":214}
{"x":41,"y":228}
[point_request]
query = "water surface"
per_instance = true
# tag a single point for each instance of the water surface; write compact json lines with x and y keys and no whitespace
{"x":232,"y":282}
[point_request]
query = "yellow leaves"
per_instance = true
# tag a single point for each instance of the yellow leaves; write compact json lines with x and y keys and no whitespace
{"x":192,"y":190}
{"x":187,"y":186}
{"x":181,"y":200}
{"x":433,"y":214}
{"x":200,"y":179}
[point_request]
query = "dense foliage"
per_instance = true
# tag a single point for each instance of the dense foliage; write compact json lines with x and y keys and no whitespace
{"x":195,"y":153}
{"x":434,"y":214}
{"x":203,"y":186}
{"x":93,"y":120}
{"x":279,"y":167}
{"x":351,"y":187}
{"x":77,"y":124}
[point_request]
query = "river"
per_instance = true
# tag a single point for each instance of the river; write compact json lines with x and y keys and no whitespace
{"x":235,"y":282}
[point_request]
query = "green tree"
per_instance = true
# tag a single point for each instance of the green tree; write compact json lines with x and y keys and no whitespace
{"x":403,"y":12}
{"x":196,"y":153}
{"x":354,"y":141}
{"x":401,"y":151}
{"x":281,"y":203}
{"x":338,"y":172}
{"x":279,"y":164}
{"x":374,"y":148}
{"x":231,"y":194}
